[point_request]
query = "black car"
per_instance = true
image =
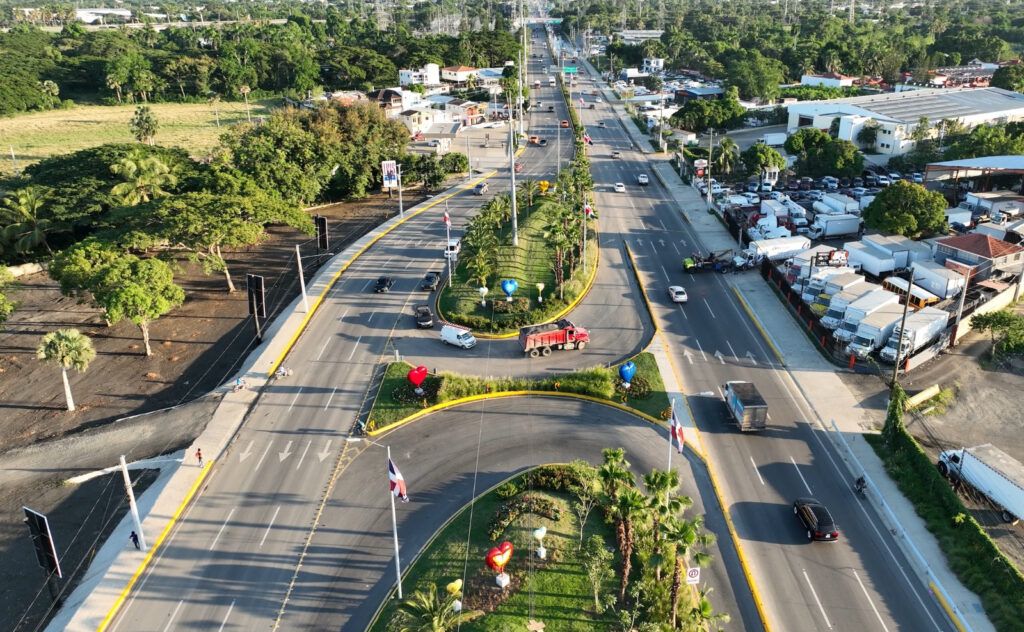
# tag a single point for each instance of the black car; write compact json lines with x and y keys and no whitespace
{"x":543,"y":142}
{"x":844,"y":183}
{"x":384,"y":284}
{"x":857,"y":182}
{"x":430,"y":281}
{"x":792,"y":185}
{"x":424,"y":317}
{"x":816,"y":519}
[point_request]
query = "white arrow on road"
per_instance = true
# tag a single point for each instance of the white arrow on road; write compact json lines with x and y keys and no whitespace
{"x":662,"y":242}
{"x":683,"y":242}
{"x":326,"y":453}
{"x":688,"y":356}
{"x":287,"y":452}
{"x":752,"y":358}
{"x":721,"y":358}
{"x":248,"y":452}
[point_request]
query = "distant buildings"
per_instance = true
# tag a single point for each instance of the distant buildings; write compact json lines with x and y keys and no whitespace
{"x":652,"y":65}
{"x":428,"y":75}
{"x":707,"y":92}
{"x":830,"y":80}
{"x":458,"y":74}
{"x":638,"y":37}
{"x":103,"y":16}
{"x":978,"y":255}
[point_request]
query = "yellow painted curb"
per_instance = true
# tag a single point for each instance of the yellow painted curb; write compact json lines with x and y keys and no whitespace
{"x":319,"y":299}
{"x":760,"y":328}
{"x":945,"y":606}
{"x":643,"y":290}
{"x":153,"y":549}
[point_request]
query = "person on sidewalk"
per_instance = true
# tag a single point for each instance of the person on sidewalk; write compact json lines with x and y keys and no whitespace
{"x":134,"y":537}
{"x":199,"y":456}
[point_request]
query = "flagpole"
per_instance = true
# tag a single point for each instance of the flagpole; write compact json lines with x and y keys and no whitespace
{"x":671,"y":432}
{"x":394,"y":531}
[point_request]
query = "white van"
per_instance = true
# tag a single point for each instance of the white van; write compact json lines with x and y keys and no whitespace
{"x":457,"y":336}
{"x":453,"y":248}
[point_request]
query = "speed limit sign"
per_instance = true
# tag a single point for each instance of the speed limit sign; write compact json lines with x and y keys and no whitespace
{"x":693,"y":575}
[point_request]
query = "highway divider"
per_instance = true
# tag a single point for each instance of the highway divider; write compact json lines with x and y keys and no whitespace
{"x":757,"y":323}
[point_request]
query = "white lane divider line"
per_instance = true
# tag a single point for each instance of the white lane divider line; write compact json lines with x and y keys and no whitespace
{"x":269,"y":526}
{"x":341,"y":318}
{"x":709,"y":307}
{"x":263,"y":456}
{"x":333,"y":391}
{"x":665,"y":272}
{"x":296,"y":398}
{"x":304,"y":454}
{"x":756,"y":470}
{"x":800,"y":474}
{"x":732,"y":350}
{"x":818,"y":601}
{"x":173,"y":614}
{"x":323,"y":348}
{"x":870,"y":601}
{"x":354,"y":347}
{"x":368,"y":282}
{"x":409,"y":265}
{"x":221,"y":530}
{"x":682,"y":311}
{"x":225,"y":621}
{"x":370,"y":318}
{"x":674,"y":247}
{"x":701,"y":349}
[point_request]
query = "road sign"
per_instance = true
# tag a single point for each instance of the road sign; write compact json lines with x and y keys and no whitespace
{"x":42,"y":538}
{"x":389,"y":171}
{"x":700,"y":163}
{"x":569,"y":70}
{"x":322,"y":234}
{"x":693,"y":575}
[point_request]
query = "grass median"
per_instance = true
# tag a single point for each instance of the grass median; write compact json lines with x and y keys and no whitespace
{"x":396,"y":399}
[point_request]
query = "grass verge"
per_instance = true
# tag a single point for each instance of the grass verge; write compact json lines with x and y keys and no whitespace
{"x":555,"y":591}
{"x":972,"y":555}
{"x":397,"y":400}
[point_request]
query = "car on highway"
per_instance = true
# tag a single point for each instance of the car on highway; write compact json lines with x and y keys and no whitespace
{"x":430,"y":281}
{"x":601,"y":124}
{"x":643,"y":180}
{"x":816,"y":519}
{"x":543,"y":142}
{"x":616,"y":154}
{"x":480,"y":189}
{"x":677,"y":294}
{"x":565,"y":123}
{"x":424,"y":317}
{"x":534,"y":140}
{"x":383,"y":285}
{"x":620,"y":187}
{"x":457,"y":337}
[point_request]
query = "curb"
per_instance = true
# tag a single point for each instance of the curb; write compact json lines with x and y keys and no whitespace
{"x":757,"y":323}
{"x":945,"y":606}
{"x":643,"y":291}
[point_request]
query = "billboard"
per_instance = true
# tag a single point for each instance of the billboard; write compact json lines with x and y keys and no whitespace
{"x":389,"y":171}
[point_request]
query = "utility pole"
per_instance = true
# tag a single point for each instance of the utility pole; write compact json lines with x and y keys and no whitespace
{"x":711,"y":142}
{"x":131,"y":504}
{"x":14,"y":161}
{"x":512,"y":179}
{"x":903,"y":322}
{"x":401,"y":208}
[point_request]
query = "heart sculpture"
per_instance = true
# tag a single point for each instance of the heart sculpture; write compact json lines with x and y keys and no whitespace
{"x":539,"y":533}
{"x":509,"y":286}
{"x":417,"y":375}
{"x":454,"y":588}
{"x":499,"y":556}
{"x":627,"y":371}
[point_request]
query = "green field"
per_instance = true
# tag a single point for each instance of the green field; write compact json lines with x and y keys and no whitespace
{"x":192,"y":126}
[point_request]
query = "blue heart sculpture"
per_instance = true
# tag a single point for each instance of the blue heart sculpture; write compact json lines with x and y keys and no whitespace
{"x":509,"y":287}
{"x":627,"y":371}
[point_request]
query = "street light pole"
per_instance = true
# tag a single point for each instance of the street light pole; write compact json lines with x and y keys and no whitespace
{"x":512,"y":179}
{"x":903,"y":322}
{"x":401,"y":209}
{"x":711,"y":144}
{"x":131,"y":504}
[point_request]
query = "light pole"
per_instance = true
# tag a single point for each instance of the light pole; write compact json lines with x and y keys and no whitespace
{"x":711,"y":141}
{"x":401,"y":209}
{"x":903,"y":331}
{"x":512,"y":179}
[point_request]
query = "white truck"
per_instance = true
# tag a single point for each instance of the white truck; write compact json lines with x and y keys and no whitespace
{"x":938,"y":279}
{"x":840,"y":204}
{"x":776,"y":249}
{"x":922,"y":328}
{"x":875,"y":329}
{"x":820,"y":290}
{"x":992,"y":472}
{"x":870,"y":260}
{"x":861,"y":309}
{"x":831,"y":226}
{"x":836,"y":311}
{"x":774,"y":140}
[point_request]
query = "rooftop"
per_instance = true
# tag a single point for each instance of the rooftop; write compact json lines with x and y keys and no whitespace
{"x":936,"y":104}
{"x":981,"y":245}
{"x":459,"y":68}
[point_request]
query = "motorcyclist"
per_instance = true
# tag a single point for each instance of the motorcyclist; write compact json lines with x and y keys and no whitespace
{"x":860,"y":485}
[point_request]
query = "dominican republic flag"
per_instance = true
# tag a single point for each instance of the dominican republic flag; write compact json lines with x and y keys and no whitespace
{"x":676,"y":432}
{"x":586,"y":139}
{"x":446,"y":219}
{"x":397,"y":482}
{"x":581,"y":101}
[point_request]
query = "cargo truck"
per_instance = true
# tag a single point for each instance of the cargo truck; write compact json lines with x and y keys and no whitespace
{"x":836,"y":311}
{"x":861,"y":309}
{"x":831,"y":226}
{"x":870,"y":260}
{"x":776,"y":249}
{"x":820,"y":283}
{"x":774,"y":140}
{"x":837,"y":204}
{"x":921,"y":329}
{"x":938,"y":279}
{"x":992,"y":472}
{"x":836,"y":285}
{"x":746,"y":406}
{"x":875,"y":329}
{"x":541,"y":339}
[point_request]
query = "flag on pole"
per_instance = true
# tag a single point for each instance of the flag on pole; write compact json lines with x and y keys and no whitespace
{"x":676,"y":431}
{"x":586,"y":139}
{"x":447,"y":220}
{"x":397,"y":482}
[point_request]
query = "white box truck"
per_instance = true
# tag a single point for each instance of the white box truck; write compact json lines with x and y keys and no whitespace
{"x":774,"y":140}
{"x":777,"y":249}
{"x":875,"y":329}
{"x":836,"y":278}
{"x":992,"y":472}
{"x":841,"y":203}
{"x":922,"y":328}
{"x":861,"y":309}
{"x":869,"y":259}
{"x":938,"y":279}
{"x":836,"y":311}
{"x":831,"y":226}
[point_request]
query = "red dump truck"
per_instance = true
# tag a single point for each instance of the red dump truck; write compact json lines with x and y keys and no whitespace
{"x":541,"y":339}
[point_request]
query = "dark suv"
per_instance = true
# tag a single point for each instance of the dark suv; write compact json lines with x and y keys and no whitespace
{"x":816,"y":519}
{"x":384,"y":284}
{"x":430,"y":281}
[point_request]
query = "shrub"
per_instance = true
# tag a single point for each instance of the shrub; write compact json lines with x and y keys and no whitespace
{"x":639,"y":388}
{"x":507,"y":513}
{"x":518,"y":305}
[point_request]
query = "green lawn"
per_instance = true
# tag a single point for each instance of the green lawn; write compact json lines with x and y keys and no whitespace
{"x":193,"y":126}
{"x":556,"y":592}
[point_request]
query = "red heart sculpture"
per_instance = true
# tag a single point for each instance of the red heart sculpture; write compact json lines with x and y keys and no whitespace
{"x":499,"y":556}
{"x":417,"y":375}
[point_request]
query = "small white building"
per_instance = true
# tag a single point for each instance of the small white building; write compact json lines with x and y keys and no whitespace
{"x":653,"y":64}
{"x":428,"y":75}
{"x":458,"y":74}
{"x":103,"y":16}
{"x":829,"y":80}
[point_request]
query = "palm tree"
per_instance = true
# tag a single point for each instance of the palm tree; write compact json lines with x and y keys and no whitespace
{"x":22,"y":221}
{"x":529,"y":189}
{"x":245,"y":90}
{"x":114,"y":82}
{"x":728,"y":155}
{"x":702,"y":617}
{"x":629,"y":509}
{"x":50,"y":90}
{"x":69,"y":349}
{"x":660,"y":485}
{"x":144,"y":179}
{"x":427,"y":611}
{"x":689,"y":539}
{"x":614,"y":472}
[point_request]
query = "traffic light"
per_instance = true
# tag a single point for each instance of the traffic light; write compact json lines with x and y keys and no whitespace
{"x":257,"y":295}
{"x":322,"y":236}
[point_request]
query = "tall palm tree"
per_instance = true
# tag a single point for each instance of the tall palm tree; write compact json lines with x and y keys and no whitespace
{"x":702,"y":617}
{"x":22,"y":222}
{"x":628,"y":511}
{"x":144,"y":179}
{"x":68,"y":349}
{"x":614,"y":472}
{"x":427,"y":611}
{"x":727,"y":156}
{"x":689,"y":539}
{"x":528,"y":189}
{"x":660,"y":485}
{"x":245,"y":90}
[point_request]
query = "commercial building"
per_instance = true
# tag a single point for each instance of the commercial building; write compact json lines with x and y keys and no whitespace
{"x":428,"y":75}
{"x":898,"y":114}
{"x":830,"y":80}
{"x":978,"y":256}
{"x":638,"y":36}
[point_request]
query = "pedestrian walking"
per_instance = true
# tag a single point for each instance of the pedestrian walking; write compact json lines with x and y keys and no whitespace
{"x":199,"y":456}
{"x":134,"y":537}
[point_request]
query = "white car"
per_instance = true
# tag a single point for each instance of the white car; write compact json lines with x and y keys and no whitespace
{"x":642,"y":179}
{"x":620,"y":187}
{"x":677,"y":294}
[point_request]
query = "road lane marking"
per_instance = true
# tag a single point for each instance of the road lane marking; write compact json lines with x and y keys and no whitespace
{"x":665,"y":272}
{"x":409,"y":265}
{"x":818,"y":601}
{"x":732,"y":350}
{"x":683,"y":311}
{"x":225,"y":621}
{"x":721,"y":358}
{"x":756,"y":471}
{"x":326,"y":452}
{"x":303,"y":457}
{"x":709,"y":307}
{"x":341,"y":318}
{"x":354,"y":347}
{"x":270,"y":526}
{"x":221,"y":530}
{"x":370,"y":318}
{"x":800,"y":474}
{"x":173,"y":614}
{"x":296,"y":398}
{"x":248,"y":452}
{"x":263,"y":456}
{"x":675,"y":248}
{"x":281,"y":456}
{"x":752,"y":358}
{"x":323,"y":348}
{"x":368,"y":282}
{"x":333,"y":391}
{"x":870,"y":601}
{"x":701,"y":349}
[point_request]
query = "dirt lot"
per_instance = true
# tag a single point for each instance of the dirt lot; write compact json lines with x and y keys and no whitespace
{"x":195,"y":349}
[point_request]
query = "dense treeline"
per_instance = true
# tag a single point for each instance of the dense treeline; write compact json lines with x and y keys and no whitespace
{"x":756,"y":45}
{"x":345,"y":51}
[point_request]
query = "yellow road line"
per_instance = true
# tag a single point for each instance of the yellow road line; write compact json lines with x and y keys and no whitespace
{"x":760,"y":327}
{"x":955,"y":620}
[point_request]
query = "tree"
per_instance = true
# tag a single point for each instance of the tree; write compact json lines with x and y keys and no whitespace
{"x":688,"y":539}
{"x":998,"y":324}
{"x":455,"y":162}
{"x":806,"y":139}
{"x":144,"y":124}
{"x":50,"y":90}
{"x":614,"y":472}
{"x":597,"y":563}
{"x":141,"y":290}
{"x":428,"y":611}
{"x":76,"y":267}
{"x":702,"y":615}
{"x":7,"y":306}
{"x":893,"y":426}
{"x":587,"y":491}
{"x":1009,"y":78}
{"x":760,"y":156}
{"x":23,"y":221}
{"x":433,"y":173}
{"x":727,"y":156}
{"x":907,"y":209}
{"x":986,"y":140}
{"x":867,"y":135}
{"x":145,"y":178}
{"x":68,"y":349}
{"x":629,"y":509}
{"x":922,"y":130}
